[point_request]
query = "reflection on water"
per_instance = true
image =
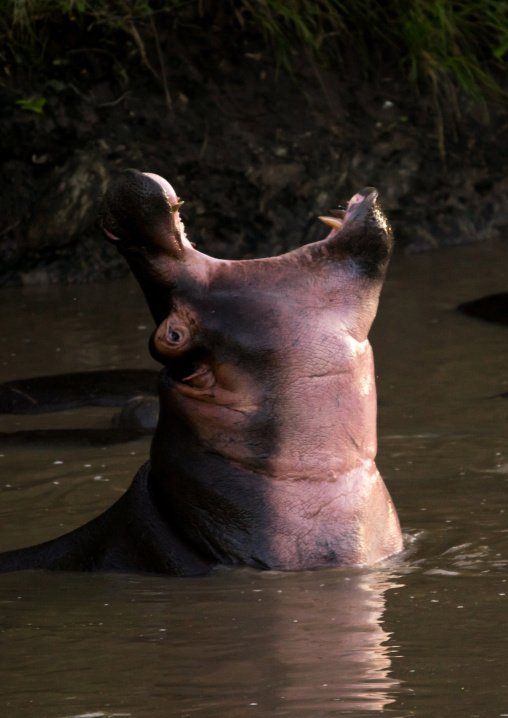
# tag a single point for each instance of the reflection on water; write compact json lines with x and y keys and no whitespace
{"x":421,"y":636}
{"x":283,"y":644}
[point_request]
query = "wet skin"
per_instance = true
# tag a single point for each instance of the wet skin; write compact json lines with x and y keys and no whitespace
{"x":264,"y":453}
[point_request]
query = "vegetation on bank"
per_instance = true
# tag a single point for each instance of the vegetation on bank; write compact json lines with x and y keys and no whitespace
{"x":439,"y":44}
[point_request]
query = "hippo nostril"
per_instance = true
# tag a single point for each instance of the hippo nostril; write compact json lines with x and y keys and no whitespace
{"x":174,"y":336}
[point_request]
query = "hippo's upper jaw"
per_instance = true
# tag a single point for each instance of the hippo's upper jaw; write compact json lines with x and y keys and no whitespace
{"x":264,"y":452}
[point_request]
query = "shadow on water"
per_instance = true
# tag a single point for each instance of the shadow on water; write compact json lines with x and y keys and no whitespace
{"x":422,"y":636}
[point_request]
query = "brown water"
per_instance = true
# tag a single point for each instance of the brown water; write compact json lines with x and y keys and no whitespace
{"x":423,"y":635}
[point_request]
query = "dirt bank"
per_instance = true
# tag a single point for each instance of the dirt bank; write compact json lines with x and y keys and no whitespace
{"x":255,"y":154}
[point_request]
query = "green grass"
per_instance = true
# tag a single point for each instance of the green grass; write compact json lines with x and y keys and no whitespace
{"x":441,"y":45}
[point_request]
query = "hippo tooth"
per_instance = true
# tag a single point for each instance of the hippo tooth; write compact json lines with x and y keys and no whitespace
{"x":334,"y":222}
{"x":110,"y":234}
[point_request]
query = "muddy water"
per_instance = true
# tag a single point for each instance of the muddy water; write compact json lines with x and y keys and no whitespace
{"x":423,"y":635}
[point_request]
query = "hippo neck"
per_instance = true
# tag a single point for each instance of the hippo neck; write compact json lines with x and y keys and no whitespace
{"x":238,"y":516}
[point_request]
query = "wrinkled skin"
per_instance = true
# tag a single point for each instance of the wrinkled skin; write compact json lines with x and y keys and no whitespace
{"x":264,"y":453}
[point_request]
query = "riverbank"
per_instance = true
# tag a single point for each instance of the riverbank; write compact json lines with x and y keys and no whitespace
{"x":256,"y":153}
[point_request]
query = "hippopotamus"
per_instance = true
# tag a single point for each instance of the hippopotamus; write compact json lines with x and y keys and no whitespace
{"x":264,"y":451}
{"x":59,"y":392}
{"x":492,"y":308}
{"x":134,"y":390}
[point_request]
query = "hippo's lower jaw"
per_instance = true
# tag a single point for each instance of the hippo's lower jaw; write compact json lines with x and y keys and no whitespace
{"x":264,"y":452}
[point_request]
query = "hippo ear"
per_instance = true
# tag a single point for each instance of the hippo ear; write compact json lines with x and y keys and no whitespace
{"x":139,"y":212}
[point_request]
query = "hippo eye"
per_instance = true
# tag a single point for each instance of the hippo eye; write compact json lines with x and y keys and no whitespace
{"x":174,"y":336}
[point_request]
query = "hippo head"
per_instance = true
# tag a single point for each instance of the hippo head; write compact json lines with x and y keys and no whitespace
{"x":265,"y":447}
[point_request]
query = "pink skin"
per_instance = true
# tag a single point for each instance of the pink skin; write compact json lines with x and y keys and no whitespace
{"x":288,"y":441}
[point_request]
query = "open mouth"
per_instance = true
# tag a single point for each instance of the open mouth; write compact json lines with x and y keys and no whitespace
{"x":339,"y":217}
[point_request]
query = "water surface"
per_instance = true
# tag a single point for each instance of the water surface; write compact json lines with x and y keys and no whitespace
{"x":422,"y":635}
